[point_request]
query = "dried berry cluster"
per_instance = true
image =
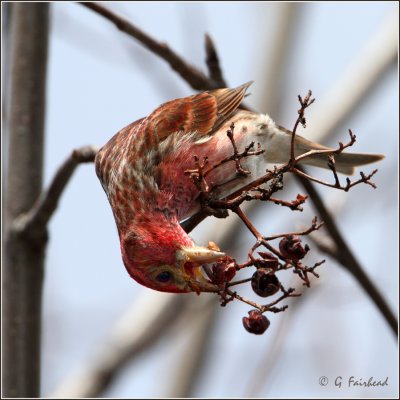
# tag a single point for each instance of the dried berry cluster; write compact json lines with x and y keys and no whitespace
{"x":289,"y":253}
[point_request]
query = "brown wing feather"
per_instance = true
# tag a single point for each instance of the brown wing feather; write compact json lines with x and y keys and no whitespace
{"x":202,"y":112}
{"x":228,"y":100}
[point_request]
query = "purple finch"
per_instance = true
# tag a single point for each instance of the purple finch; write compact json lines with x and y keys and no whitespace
{"x":142,"y":170}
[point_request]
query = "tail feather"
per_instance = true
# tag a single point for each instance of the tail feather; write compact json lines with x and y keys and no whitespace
{"x":345,"y":162}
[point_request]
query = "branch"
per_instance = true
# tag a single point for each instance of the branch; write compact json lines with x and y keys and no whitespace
{"x":304,"y":103}
{"x":207,"y":201}
{"x":196,"y":79}
{"x":212,"y":61}
{"x":23,"y":262}
{"x":39,"y":215}
{"x":337,"y":185}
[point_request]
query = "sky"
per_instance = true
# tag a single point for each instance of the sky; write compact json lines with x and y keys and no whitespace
{"x":100,"y":80}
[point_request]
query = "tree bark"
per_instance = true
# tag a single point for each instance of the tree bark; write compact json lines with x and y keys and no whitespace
{"x":24,"y":251}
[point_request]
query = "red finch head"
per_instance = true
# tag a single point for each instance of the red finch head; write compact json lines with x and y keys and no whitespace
{"x":160,"y":255}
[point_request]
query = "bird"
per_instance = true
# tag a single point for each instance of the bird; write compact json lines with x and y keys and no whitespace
{"x":143,"y":171}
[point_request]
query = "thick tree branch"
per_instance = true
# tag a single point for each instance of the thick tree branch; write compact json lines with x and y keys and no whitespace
{"x":23,"y":261}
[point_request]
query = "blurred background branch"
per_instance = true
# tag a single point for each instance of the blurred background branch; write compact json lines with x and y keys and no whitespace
{"x":36,"y":219}
{"x":149,"y":318}
{"x":362,"y":74}
{"x":23,"y":261}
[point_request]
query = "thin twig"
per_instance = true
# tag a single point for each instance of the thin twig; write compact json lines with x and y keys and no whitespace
{"x":239,"y":282}
{"x":314,"y":227}
{"x":304,"y":103}
{"x":364,"y":179}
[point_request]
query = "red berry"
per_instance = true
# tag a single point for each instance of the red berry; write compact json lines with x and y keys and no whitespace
{"x":291,"y":248}
{"x":256,"y":322}
{"x":222,"y":272}
{"x":264,"y":284}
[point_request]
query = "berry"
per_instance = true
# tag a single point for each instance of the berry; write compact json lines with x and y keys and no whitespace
{"x":222,"y":272}
{"x":256,"y":322}
{"x":264,"y":284}
{"x":291,"y":248}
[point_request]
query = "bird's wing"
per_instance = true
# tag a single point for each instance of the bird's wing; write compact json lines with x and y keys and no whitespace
{"x":201,"y":113}
{"x":136,"y":145}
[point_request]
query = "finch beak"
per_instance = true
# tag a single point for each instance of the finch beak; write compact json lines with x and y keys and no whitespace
{"x":191,"y":260}
{"x":198,"y":254}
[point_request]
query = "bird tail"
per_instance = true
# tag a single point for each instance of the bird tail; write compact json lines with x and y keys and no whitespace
{"x":344,"y":162}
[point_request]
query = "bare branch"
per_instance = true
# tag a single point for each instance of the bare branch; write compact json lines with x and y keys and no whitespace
{"x":291,"y":250}
{"x":304,"y":103}
{"x":38,"y":216}
{"x":314,"y":227}
{"x":23,"y":262}
{"x":337,"y":185}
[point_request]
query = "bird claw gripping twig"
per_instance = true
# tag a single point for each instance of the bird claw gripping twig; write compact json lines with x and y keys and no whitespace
{"x":290,"y":252}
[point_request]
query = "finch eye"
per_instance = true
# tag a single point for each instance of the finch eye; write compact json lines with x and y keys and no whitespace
{"x":164,"y":276}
